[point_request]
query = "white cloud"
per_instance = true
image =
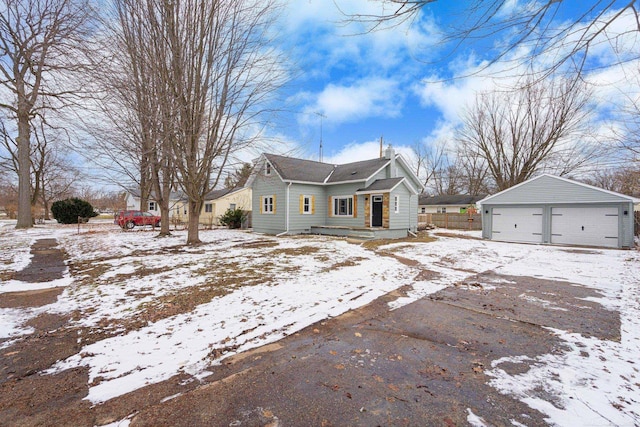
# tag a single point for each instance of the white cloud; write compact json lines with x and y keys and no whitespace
{"x":374,"y":97}
{"x":358,"y":151}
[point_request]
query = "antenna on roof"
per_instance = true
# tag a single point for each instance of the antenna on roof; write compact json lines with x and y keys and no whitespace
{"x":322,"y":116}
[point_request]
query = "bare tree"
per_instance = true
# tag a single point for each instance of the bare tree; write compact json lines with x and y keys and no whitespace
{"x":625,"y":180}
{"x":221,"y":73}
{"x":51,"y":174}
{"x":239,"y":177}
{"x":533,"y":26}
{"x":519,"y":134}
{"x":139,"y":83}
{"x":36,"y":42}
{"x":427,"y":160}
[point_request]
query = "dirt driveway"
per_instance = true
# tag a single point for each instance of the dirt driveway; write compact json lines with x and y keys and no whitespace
{"x":421,"y":364}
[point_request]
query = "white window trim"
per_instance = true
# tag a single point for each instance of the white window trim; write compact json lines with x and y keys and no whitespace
{"x":208,"y":206}
{"x":265,"y":205}
{"x":336,"y":209}
{"x":154,"y":204}
{"x":306,"y":199}
{"x":396,"y":204}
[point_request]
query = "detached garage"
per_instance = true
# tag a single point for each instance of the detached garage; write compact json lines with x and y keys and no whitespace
{"x":554,"y":210}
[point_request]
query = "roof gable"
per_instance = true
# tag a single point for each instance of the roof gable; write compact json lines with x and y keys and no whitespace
{"x":554,"y":189}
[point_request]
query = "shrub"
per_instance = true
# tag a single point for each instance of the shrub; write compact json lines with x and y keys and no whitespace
{"x":67,"y":211}
{"x":233,"y":218}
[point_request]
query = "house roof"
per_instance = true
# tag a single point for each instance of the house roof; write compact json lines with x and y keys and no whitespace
{"x":216,"y":194}
{"x":357,"y":171}
{"x":292,"y":169}
{"x":383,"y":185}
{"x":449,"y":199}
{"x":548,"y":188}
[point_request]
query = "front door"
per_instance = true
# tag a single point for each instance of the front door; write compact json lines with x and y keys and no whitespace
{"x":376,"y":211}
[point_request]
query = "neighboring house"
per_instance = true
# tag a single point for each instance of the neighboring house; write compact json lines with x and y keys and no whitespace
{"x":217,"y":202}
{"x":458,"y":203}
{"x":372,"y":199}
{"x":176,"y":200}
{"x":554,"y":210}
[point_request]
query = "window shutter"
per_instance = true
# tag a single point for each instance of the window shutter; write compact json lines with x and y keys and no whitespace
{"x":301,"y":203}
{"x":274,"y":204}
{"x":313,"y":205}
{"x":330,"y":207}
{"x":355,"y":206}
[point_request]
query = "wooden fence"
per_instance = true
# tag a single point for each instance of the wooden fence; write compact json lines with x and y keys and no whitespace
{"x":459,"y":221}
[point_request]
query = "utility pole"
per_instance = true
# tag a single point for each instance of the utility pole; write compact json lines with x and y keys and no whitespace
{"x":322,"y":116}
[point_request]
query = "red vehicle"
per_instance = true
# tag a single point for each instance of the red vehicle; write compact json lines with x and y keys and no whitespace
{"x":131,"y":219}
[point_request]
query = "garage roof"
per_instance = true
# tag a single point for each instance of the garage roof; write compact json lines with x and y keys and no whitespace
{"x":554,"y":189}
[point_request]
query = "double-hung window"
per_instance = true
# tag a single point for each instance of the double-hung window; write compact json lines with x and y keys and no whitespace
{"x":268,"y":204}
{"x":343,"y":206}
{"x":153,"y":206}
{"x":306,"y":204}
{"x":208,"y":207}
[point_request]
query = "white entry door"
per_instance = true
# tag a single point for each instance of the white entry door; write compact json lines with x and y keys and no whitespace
{"x":517,"y":225}
{"x":585,"y":226}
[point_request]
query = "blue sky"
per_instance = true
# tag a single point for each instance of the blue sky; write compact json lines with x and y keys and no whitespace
{"x":395,"y":83}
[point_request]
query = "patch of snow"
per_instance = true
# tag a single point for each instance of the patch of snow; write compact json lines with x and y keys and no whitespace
{"x":474,"y":420}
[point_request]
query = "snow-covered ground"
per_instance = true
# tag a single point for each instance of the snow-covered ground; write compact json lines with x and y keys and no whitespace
{"x":256,"y":289}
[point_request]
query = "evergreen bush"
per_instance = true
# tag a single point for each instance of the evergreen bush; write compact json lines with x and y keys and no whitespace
{"x":233,"y":218}
{"x":67,"y":211}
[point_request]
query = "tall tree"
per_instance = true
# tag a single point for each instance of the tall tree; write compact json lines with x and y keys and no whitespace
{"x":239,"y":177}
{"x":519,"y":134}
{"x":37,"y":39}
{"x":221,"y":73}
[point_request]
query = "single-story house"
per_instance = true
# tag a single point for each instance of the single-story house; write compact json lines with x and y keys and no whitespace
{"x":176,"y":200}
{"x":375,"y":198}
{"x":457,"y":203}
{"x":217,"y":202}
{"x":554,"y":210}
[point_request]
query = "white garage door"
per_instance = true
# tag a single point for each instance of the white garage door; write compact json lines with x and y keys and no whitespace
{"x":585,"y":226}
{"x":517,"y":224}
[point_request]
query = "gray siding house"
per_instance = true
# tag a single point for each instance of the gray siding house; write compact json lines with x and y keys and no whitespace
{"x":375,"y":198}
{"x":554,"y":210}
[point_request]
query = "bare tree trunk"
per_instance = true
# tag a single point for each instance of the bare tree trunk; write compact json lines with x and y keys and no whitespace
{"x":193,"y":236}
{"x":25,"y":219}
{"x":37,"y":42}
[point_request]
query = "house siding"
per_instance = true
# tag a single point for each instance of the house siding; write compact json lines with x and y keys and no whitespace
{"x":401,"y":220}
{"x":300,"y":222}
{"x":241,"y":198}
{"x":549,"y":190}
{"x":413,"y":206}
{"x":380,"y":175}
{"x":266,"y":186}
